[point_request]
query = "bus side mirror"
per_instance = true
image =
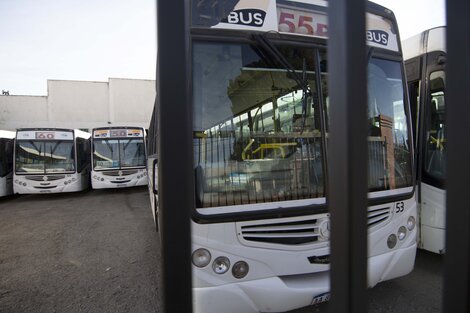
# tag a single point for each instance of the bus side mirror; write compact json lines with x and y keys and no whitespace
{"x":155,"y":176}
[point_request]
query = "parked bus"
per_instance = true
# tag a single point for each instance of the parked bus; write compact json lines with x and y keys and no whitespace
{"x":7,"y":139}
{"x":119,"y":157}
{"x":260,"y":103}
{"x":425,"y":62}
{"x":51,"y":160}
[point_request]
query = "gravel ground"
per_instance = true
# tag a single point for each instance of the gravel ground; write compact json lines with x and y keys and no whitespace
{"x":93,"y":251}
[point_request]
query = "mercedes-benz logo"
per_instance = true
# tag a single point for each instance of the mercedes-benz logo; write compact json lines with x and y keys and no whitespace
{"x":44,"y":178}
{"x":120,"y":173}
{"x":324,"y":229}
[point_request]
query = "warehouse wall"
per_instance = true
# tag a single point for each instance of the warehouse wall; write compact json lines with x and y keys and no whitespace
{"x":23,"y":111}
{"x":131,"y":101}
{"x":77,"y":104}
{"x":82,"y":104}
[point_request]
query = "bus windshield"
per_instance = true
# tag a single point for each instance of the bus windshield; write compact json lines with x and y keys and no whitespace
{"x":118,"y":153}
{"x":40,"y":156}
{"x":257,"y":124}
{"x":389,"y":144}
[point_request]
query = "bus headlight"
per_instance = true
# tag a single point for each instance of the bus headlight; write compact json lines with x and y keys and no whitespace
{"x":221,"y":265}
{"x":201,"y":257}
{"x":411,"y":223}
{"x":240,"y":269}
{"x":401,"y":232}
{"x":392,"y":241}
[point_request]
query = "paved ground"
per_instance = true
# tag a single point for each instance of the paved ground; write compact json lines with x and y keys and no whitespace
{"x":418,"y":292}
{"x":93,"y":251}
{"x":96,"y":251}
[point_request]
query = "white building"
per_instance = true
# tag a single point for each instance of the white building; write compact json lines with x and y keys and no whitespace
{"x":82,"y":104}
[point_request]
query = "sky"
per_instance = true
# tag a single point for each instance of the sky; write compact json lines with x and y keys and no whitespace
{"x":94,"y":40}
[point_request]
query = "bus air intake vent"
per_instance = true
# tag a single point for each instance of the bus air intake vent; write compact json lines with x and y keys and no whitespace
{"x":119,"y":172}
{"x":45,"y":177}
{"x":286,"y":233}
{"x":377,"y":215}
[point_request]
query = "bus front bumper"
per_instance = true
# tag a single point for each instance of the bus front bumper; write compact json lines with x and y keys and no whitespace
{"x":393,"y":264}
{"x":281,"y":294}
{"x":274,"y":294}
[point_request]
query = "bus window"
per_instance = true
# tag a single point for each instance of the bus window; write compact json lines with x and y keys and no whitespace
{"x":132,"y":152}
{"x":389,"y":145}
{"x":434,"y":162}
{"x":257,"y":131}
{"x":44,"y":156}
{"x":83,"y":153}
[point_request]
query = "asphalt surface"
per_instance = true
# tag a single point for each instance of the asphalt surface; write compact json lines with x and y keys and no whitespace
{"x":418,"y":292}
{"x":92,"y":251}
{"x":97,"y":251}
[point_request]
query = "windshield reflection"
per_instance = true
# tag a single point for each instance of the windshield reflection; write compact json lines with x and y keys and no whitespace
{"x":118,"y":153}
{"x":45,"y":157}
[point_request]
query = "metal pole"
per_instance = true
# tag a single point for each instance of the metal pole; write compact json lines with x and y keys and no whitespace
{"x":175,"y":157}
{"x":457,"y":257}
{"x":347,"y":158}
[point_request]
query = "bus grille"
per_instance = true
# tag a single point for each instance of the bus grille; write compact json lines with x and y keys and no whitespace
{"x":48,"y":177}
{"x":297,"y":231}
{"x":116,"y":172}
{"x":287,"y":233}
{"x":377,"y":215}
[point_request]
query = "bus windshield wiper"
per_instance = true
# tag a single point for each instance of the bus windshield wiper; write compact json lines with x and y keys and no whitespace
{"x":109,"y":146}
{"x":125,"y":146}
{"x":35,"y":147}
{"x":369,"y":54}
{"x":301,"y":81}
{"x":271,"y":49}
{"x":55,"y":147}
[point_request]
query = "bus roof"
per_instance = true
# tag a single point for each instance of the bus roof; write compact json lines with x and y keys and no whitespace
{"x":7,"y":134}
{"x":433,"y":39}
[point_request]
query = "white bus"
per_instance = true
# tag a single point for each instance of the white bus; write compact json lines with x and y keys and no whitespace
{"x":260,"y":103}
{"x":51,"y":160}
{"x":7,"y":139}
{"x":119,"y":157}
{"x":425,"y":61}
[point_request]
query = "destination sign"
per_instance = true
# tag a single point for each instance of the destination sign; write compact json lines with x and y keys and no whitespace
{"x":304,"y":18}
{"x":118,"y":133}
{"x":44,"y":135}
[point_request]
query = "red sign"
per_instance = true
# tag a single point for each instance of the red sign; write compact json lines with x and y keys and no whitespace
{"x":302,"y":22}
{"x":45,"y":135}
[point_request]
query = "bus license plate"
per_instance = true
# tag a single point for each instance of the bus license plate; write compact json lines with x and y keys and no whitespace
{"x":321,"y":298}
{"x":121,"y":185}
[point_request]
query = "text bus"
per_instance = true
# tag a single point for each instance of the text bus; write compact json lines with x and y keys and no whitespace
{"x":119,"y":157}
{"x":260,"y":103}
{"x":7,"y":139}
{"x":425,"y":61}
{"x":51,"y":160}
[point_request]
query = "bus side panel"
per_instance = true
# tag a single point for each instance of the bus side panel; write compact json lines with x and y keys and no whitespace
{"x":432,"y":219}
{"x":6,"y":185}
